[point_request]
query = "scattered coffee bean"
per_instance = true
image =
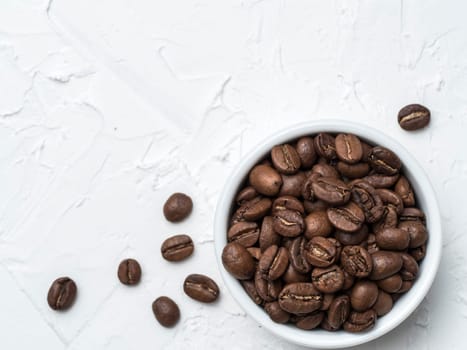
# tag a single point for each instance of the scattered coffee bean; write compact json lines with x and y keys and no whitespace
{"x":129,"y":272}
{"x":177,"y":248}
{"x":166,"y":311}
{"x":413,"y":117}
{"x":62,"y":294}
{"x":201,"y":288}
{"x":177,"y":207}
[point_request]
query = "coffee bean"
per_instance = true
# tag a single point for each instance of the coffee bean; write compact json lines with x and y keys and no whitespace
{"x":390,"y":284}
{"x":285,"y":159}
{"x":317,"y":224}
{"x":413,"y":117}
{"x":276,"y":313}
{"x":388,"y":220}
{"x":405,"y":192}
{"x":265,"y":180}
{"x":416,"y":231}
{"x":383,"y":303}
{"x":348,"y":148}
{"x":384,"y":161}
{"x":201,"y":288}
{"x":331,"y":190}
{"x":327,"y":300}
{"x":356,"y":261}
{"x":326,"y":325}
{"x":306,"y":151}
{"x":287,"y":203}
{"x":380,"y":180}
{"x":267,"y":290}
{"x":246,"y":233}
{"x":329,"y":279}
{"x":368,"y":199}
{"x":310,"y":321}
{"x":370,"y":245}
{"x":250,"y":289}
{"x":292,"y":184}
{"x":363,"y":295}
{"x":291,"y":275}
{"x":418,"y":253}
{"x":392,"y":239}
{"x":385,"y":264}
{"x":317,"y":205}
{"x":62,"y":294}
{"x":273,"y":262}
{"x":177,"y":248}
{"x":245,"y":195}
{"x":252,"y":210}
{"x":325,"y":146}
{"x":177,"y":207}
{"x":325,"y":170}
{"x":129,"y":272}
{"x":410,"y":267}
{"x":297,"y":255}
{"x":339,"y":311}
{"x":238,"y":261}
{"x":406,"y":285}
{"x":288,"y":223}
{"x":320,"y":252}
{"x":307,"y":187}
{"x":300,"y":298}
{"x":352,"y":238}
{"x":348,"y":280}
{"x":392,"y":198}
{"x":360,"y":321}
{"x":353,"y":171}
{"x":349,"y":217}
{"x":412,"y":214}
{"x":166,"y":311}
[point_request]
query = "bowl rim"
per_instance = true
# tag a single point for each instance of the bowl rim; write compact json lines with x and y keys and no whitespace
{"x":405,"y":306}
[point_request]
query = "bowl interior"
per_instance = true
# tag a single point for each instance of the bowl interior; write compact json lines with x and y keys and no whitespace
{"x":425,"y":199}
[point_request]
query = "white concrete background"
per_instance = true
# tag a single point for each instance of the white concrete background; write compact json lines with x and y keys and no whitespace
{"x":107,"y":107}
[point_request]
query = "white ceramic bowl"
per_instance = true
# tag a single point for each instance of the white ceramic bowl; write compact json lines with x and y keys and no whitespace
{"x":425,"y":199}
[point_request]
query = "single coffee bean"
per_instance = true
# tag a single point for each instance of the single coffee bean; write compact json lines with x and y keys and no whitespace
{"x":356,"y":261}
{"x":201,"y":288}
{"x":326,"y":326}
{"x":306,"y":151}
{"x":285,"y":159}
{"x":310,"y":321}
{"x":300,"y":298}
{"x":353,"y":171}
{"x":288,"y":223}
{"x":245,"y":195}
{"x":388,"y":220}
{"x":62,"y":294}
{"x":412,"y":214}
{"x":250,"y":289}
{"x":368,"y":199}
{"x":166,"y":311}
{"x":325,"y":146}
{"x":363,"y":295}
{"x":349,"y":217}
{"x":404,"y":190}
{"x":297,"y":255}
{"x":352,"y":238}
{"x":384,"y":161}
{"x":267,"y":235}
{"x":325,"y":170}
{"x":287,"y":203}
{"x":265,"y":180}
{"x":416,"y":231}
{"x":252,"y":210}
{"x":291,"y":275}
{"x":331,"y":190}
{"x":267,"y":290}
{"x":418,"y":253}
{"x":409,"y":269}
{"x":339,"y":311}
{"x":292,"y":184}
{"x":177,"y":207}
{"x":360,"y":321}
{"x":392,"y":239}
{"x":329,"y":279}
{"x":413,"y":117}
{"x":385,"y":264}
{"x":246,"y":233}
{"x":390,"y":284}
{"x":383,"y":303}
{"x":327,"y":300}
{"x":307,"y":187}
{"x":320,"y":252}
{"x":348,"y":148}
{"x":276,"y":313}
{"x":255,"y":252}
{"x":273,"y":262}
{"x":391,"y":197}
{"x":406,"y":285}
{"x":317,"y":224}
{"x":238,"y":261}
{"x":380,"y":180}
{"x":177,"y":248}
{"x":129,"y":272}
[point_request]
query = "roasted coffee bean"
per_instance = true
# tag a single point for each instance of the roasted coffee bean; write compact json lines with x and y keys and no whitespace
{"x":412,"y":214}
{"x":317,"y":224}
{"x":273,"y":262}
{"x":352,"y":238}
{"x":380,"y":180}
{"x":325,"y":146}
{"x":388,"y":220}
{"x":177,"y":207}
{"x":356,"y":261}
{"x":177,"y":248}
{"x":391,"y":197}
{"x":385,"y":264}
{"x":267,"y":235}
{"x":368,"y":199}
{"x":366,"y":151}
{"x":276,"y":313}
{"x":418,"y":253}
{"x":348,"y":148}
{"x":298,"y":255}
{"x":252,"y":210}
{"x":327,"y":300}
{"x":287,"y":203}
{"x":413,"y":117}
{"x":245,"y":195}
{"x":255,"y":252}
{"x":326,"y":326}
{"x":201,"y":288}
{"x":329,"y":279}
{"x":353,"y":171}
{"x":349,"y":217}
{"x":238,"y":261}
{"x":129,"y":272}
{"x":410,"y":267}
{"x":62,"y":294}
{"x":360,"y":321}
{"x":317,"y":205}
{"x":416,"y":231}
{"x":363,"y":295}
{"x":166,"y":311}
{"x":320,"y":252}
{"x":392,"y":239}
{"x":292,"y":184}
{"x":300,"y":298}
{"x":331,"y":190}
{"x":267,"y":290}
{"x":325,"y":170}
{"x":390,"y":284}
{"x":383,"y":303}
{"x":306,"y":151}
{"x":291,"y":275}
{"x":288,"y":223}
{"x":348,"y":280}
{"x":265,"y":180}
{"x":246,"y":233}
{"x":310,"y":321}
{"x":406,"y":285}
{"x":371,"y":244}
{"x":307,"y":187}
{"x":338,"y":311}
{"x":384,"y":161}
{"x":250,"y":289}
{"x":285,"y":159}
{"x":404,"y":190}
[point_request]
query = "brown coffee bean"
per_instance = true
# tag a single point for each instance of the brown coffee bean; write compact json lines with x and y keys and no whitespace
{"x":349,"y":217}
{"x":267,"y":290}
{"x":363,"y":295}
{"x":267,"y":235}
{"x":348,"y":280}
{"x":62,"y":294}
{"x":329,"y":279}
{"x":177,"y":207}
{"x":331,"y":190}
{"x":385,"y":264}
{"x":245,"y":195}
{"x":306,"y":151}
{"x":238,"y":261}
{"x":327,"y":300}
{"x":416,"y":231}
{"x":388,"y":220}
{"x":276,"y":313}
{"x":300,"y":298}
{"x":250,"y":289}
{"x":285,"y":159}
{"x":409,"y":269}
{"x":413,"y":117}
{"x":287,"y":203}
{"x":325,"y":170}
{"x":352,"y":238}
{"x":317,"y":224}
{"x":412,"y":214}
{"x":353,"y":171}
{"x":360,"y":321}
{"x":201,"y":288}
{"x":273,"y":262}
{"x":297,"y":255}
{"x":380,"y":180}
{"x":338,"y":311}
{"x":325,"y":146}
{"x":371,"y":244}
{"x":317,"y":205}
{"x":348,"y":148}
{"x":406,"y":285}
{"x":418,"y":253}
{"x":392,"y":239}
{"x":404,"y":190}
{"x":246,"y":233}
{"x":177,"y":248}
{"x":288,"y":223}
{"x":383,"y":303}
{"x":292,"y":184}
{"x":265,"y":180}
{"x":392,"y":198}
{"x":390,"y":284}
{"x":129,"y":272}
{"x":384,"y":161}
{"x":291,"y":275}
{"x":320,"y":252}
{"x":368,"y":199}
{"x":310,"y":321}
{"x":252,"y":210}
{"x":166,"y":311}
{"x":326,"y":326}
{"x":356,"y":261}
{"x":307,"y":187}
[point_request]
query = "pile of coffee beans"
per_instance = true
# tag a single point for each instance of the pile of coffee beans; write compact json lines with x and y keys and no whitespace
{"x":326,"y":232}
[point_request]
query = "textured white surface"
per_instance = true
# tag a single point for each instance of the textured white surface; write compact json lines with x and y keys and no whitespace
{"x":107,"y":107}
